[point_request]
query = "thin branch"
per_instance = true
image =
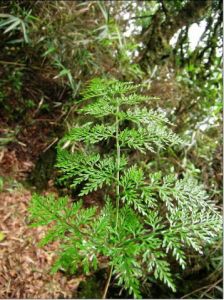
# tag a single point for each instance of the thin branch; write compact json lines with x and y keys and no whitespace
{"x":164,"y":9}
{"x":107,"y":284}
{"x":212,"y":287}
{"x":203,"y":288}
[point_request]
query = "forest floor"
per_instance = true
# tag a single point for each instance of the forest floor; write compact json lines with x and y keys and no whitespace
{"x":25,"y":267}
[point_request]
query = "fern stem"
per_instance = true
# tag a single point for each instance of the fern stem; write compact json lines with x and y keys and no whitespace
{"x":118,"y":160}
{"x":118,"y":166}
{"x":107,"y":284}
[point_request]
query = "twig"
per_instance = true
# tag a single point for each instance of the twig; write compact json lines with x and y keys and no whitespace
{"x":19,"y":64}
{"x":51,"y":144}
{"x":12,"y":63}
{"x":107,"y":284}
{"x":211,"y":287}
{"x":208,"y":287}
{"x":198,"y":290}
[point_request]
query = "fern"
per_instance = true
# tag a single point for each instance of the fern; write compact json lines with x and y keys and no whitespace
{"x":90,"y":134}
{"x":147,"y":218}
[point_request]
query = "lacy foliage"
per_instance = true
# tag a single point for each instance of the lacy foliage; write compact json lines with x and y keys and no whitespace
{"x":153,"y":217}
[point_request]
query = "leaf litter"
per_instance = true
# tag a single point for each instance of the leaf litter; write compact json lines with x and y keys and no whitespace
{"x":24,"y":267}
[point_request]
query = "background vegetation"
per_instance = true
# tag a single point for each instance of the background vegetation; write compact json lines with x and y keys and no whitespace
{"x":49,"y":52}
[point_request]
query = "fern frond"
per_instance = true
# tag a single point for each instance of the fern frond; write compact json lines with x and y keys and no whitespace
{"x":130,"y":224}
{"x":136,"y":139}
{"x":147,"y":138}
{"x":162,"y":271}
{"x":96,"y":88}
{"x":195,"y":228}
{"x":45,"y":209}
{"x":171,"y":242}
{"x":147,"y":217}
{"x":188,"y":191}
{"x":127,"y":273}
{"x":103,"y":172}
{"x":71,"y":166}
{"x":89,"y":134}
{"x":144,"y":116}
{"x":154,"y":220}
{"x":100,"y":108}
{"x":134,"y":190}
{"x":133,"y":99}
{"x":104,"y":87}
{"x":125,"y":251}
